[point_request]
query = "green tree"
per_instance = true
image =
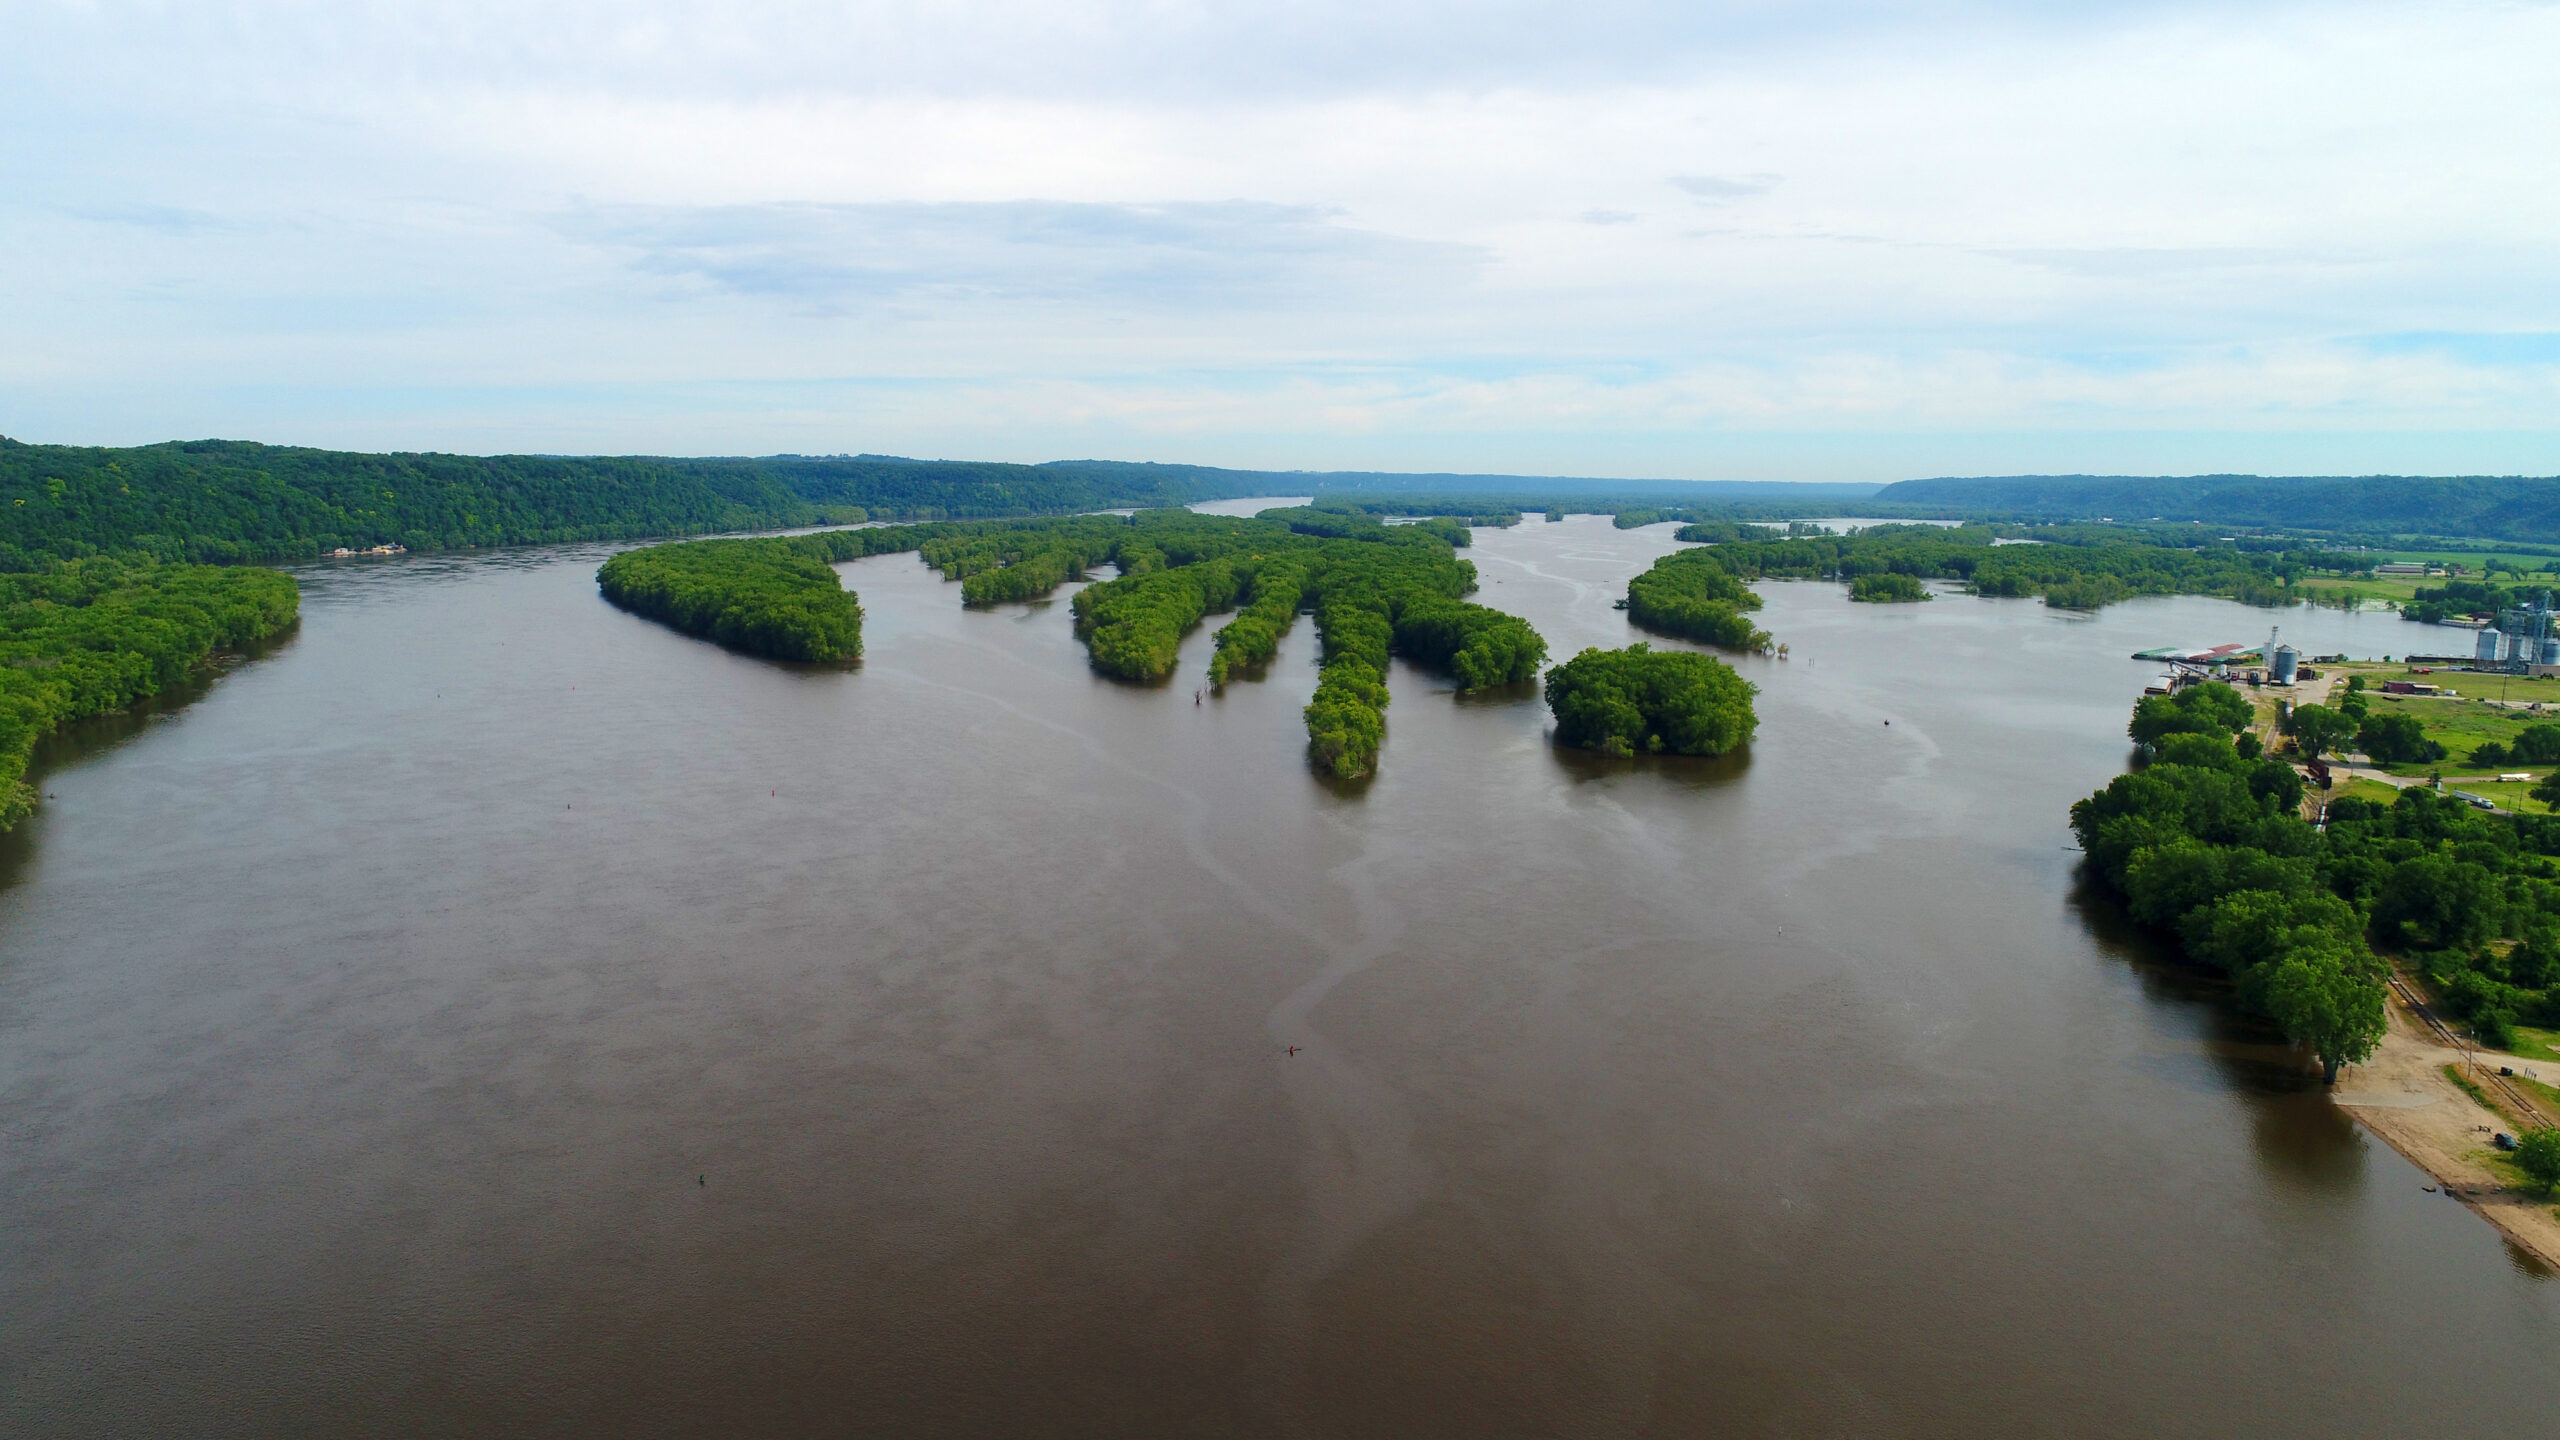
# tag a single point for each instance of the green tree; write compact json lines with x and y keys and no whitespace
{"x":1888,"y":589}
{"x":2210,"y":752}
{"x":2156,"y":717}
{"x":777,"y":597}
{"x":1691,"y":594}
{"x":2396,"y":739}
{"x":2538,"y":1156}
{"x":2436,"y":902}
{"x":2226,"y":708}
{"x":2323,"y":995}
{"x":2319,"y":730}
{"x":2535,"y":745}
{"x":1620,"y":702}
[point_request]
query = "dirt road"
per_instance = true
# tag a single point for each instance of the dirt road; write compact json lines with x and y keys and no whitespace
{"x":2402,"y":1095}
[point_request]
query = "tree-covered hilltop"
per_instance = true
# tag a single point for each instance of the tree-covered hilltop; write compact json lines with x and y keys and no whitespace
{"x":227,"y":501}
{"x":2511,"y":507}
{"x":777,"y":596}
{"x":232,"y":501}
{"x":2072,"y":568}
{"x":2206,"y":841}
{"x":1375,"y":590}
{"x":1691,"y":594}
{"x":87,"y":637}
{"x":1646,"y":701}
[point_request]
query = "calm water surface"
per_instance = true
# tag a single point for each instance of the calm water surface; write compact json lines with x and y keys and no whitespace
{"x":489,"y":1013}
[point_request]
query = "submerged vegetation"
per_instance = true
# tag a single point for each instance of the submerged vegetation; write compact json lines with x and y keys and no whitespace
{"x":1643,"y":700}
{"x":92,"y":636}
{"x":1887,"y":589}
{"x":777,"y":596}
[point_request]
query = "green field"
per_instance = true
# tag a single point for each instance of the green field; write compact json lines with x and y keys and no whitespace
{"x":2396,"y":589}
{"x":2461,"y":726}
{"x":2523,"y":689}
{"x":2475,"y":562}
{"x":2393,"y":589}
{"x":2372,"y":790}
{"x":2533,"y":1044}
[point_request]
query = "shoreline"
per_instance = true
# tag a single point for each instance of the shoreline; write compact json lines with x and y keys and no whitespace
{"x":2402,"y":1096}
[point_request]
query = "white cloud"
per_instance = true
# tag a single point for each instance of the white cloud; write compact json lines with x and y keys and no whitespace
{"x":1715,"y":189}
{"x":1407,"y":233}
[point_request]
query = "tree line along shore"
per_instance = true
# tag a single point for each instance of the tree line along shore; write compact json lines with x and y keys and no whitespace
{"x":2207,"y":841}
{"x":1374,"y":590}
{"x":117,"y":532}
{"x":95,"y":635}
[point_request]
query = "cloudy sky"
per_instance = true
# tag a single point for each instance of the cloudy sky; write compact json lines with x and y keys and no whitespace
{"x":1720,"y":239}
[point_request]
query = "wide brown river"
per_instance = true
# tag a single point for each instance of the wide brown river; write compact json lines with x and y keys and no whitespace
{"x":429,"y":1029}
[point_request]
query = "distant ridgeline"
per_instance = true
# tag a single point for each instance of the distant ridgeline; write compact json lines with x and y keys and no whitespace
{"x":1723,"y":503}
{"x":231,"y":501}
{"x":226,"y":501}
{"x":1586,"y":496}
{"x":91,"y":636}
{"x":2077,"y":568}
{"x":1375,"y":590}
{"x":2501,"y":507}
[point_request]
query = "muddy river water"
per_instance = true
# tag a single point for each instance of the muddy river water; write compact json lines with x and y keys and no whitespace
{"x":429,"y":1030}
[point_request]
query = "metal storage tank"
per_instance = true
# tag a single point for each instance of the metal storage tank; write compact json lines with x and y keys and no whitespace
{"x":2487,"y":654}
{"x":2283,"y":662}
{"x":2551,"y":651}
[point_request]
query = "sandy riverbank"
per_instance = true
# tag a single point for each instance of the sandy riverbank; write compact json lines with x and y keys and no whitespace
{"x":2402,"y":1095}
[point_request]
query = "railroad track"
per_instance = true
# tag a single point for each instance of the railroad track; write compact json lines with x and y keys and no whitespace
{"x":2526,"y":1112}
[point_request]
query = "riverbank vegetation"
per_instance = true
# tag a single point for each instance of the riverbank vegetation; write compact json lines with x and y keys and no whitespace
{"x":2466,"y":737}
{"x":2075,"y":568}
{"x":2209,"y":845}
{"x":1376,"y":590}
{"x":1646,"y":701}
{"x":2512,"y":507}
{"x":777,"y":596}
{"x":1887,"y":589}
{"x":1691,"y":594}
{"x":92,"y":636}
